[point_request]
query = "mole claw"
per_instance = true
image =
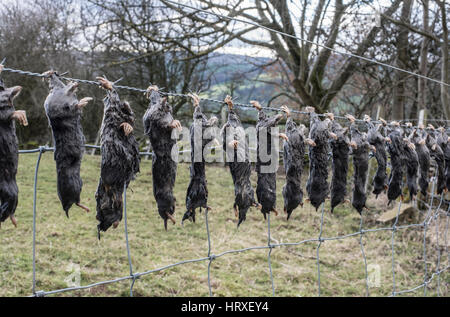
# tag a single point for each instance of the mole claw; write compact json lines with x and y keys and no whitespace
{"x":171,"y":218}
{"x":84,"y":208}
{"x":14,"y":221}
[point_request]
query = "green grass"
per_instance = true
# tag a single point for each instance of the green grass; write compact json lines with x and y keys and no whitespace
{"x":62,"y":242}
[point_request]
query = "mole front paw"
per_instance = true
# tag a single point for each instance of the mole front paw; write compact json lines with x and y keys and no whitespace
{"x":330,"y":116}
{"x":229,"y":102}
{"x":256,"y":105}
{"x":105,"y":83}
{"x":311,"y":142}
{"x":310,"y":110}
{"x":195,"y":100}
{"x":350,"y":118}
{"x":21,"y":117}
{"x":176,"y":125}
{"x":333,"y":136}
{"x":127,"y":128}
{"x":83,"y":102}
{"x":284,"y":137}
{"x":286,"y":110}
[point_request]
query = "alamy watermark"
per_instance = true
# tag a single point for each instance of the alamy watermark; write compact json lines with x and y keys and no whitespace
{"x":230,"y":145}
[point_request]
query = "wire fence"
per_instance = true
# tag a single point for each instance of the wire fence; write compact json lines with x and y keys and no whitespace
{"x":433,"y":213}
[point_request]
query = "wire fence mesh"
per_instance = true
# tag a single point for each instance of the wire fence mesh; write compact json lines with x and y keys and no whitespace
{"x":434,"y":213}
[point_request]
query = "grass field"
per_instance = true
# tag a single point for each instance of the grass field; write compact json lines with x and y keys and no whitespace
{"x":62,"y":243}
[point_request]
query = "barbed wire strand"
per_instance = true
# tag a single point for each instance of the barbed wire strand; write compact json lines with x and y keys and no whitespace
{"x":169,"y":94}
{"x":311,"y":42}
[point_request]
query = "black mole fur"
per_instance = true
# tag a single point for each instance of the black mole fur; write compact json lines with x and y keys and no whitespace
{"x":266,"y":190}
{"x":395,"y":149}
{"x":438,"y":155}
{"x":423,"y":154}
{"x":64,"y":116}
{"x":157,"y":124}
{"x":240,"y":167}
{"x":361,"y":166}
{"x":197,"y":194}
{"x":120,"y":160}
{"x":377,"y":140}
{"x":341,"y":153}
{"x":9,"y":155}
{"x":317,"y":186}
{"x":294,"y":155}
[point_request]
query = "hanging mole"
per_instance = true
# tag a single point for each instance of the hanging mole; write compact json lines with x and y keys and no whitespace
{"x":64,"y":112}
{"x":9,"y":150}
{"x":438,"y":155}
{"x":266,"y":190}
{"x":411,"y":160}
{"x":319,"y":136}
{"x":294,"y":155}
{"x":443,"y":141}
{"x":378,"y":143}
{"x":235,"y":142}
{"x":418,"y":138}
{"x":159,"y":125}
{"x":197,"y":194}
{"x":341,"y":152}
{"x":395,"y":149}
{"x":360,"y":153}
{"x":120,"y":157}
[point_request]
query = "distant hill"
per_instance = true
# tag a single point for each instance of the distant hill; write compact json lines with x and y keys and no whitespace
{"x":237,"y":75}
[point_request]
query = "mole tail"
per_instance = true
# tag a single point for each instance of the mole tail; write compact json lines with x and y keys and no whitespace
{"x":189,"y":216}
{"x":289,"y":214}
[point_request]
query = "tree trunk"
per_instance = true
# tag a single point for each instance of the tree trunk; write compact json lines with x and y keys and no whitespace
{"x":398,"y":109}
{"x":445,"y":61}
{"x":423,"y":68}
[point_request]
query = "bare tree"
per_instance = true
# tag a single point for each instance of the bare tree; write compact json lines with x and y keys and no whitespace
{"x":146,"y":41}
{"x":306,"y":65}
